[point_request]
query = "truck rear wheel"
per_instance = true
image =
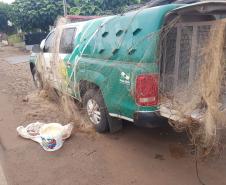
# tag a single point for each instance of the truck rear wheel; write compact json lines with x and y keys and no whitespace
{"x":95,"y":109}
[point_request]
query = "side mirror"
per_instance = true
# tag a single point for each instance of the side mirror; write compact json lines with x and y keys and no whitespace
{"x":36,"y":49}
{"x":42,"y":45}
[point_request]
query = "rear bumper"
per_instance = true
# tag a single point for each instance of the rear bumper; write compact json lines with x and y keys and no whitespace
{"x":149,"y":119}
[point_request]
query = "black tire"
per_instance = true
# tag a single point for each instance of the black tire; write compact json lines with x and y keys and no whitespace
{"x":93,"y":95}
{"x":37,"y":79}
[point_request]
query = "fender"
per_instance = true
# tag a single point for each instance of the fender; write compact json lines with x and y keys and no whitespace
{"x":93,"y":77}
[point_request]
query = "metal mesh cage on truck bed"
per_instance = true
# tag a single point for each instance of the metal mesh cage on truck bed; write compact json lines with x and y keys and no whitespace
{"x":183,"y":56}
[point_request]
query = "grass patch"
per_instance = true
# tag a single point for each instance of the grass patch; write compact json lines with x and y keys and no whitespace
{"x":15,"y":38}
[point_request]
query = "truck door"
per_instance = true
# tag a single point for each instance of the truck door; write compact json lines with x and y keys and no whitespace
{"x":65,"y":50}
{"x":47,"y":56}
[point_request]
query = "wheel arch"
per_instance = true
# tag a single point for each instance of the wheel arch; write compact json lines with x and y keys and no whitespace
{"x":91,"y":79}
{"x":84,"y":85}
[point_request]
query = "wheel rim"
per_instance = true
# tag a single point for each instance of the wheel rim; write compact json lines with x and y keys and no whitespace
{"x":93,"y":110}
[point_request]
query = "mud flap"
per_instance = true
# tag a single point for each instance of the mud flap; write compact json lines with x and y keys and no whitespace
{"x":115,"y":124}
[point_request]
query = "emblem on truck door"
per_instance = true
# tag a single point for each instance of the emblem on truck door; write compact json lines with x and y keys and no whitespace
{"x":125,"y":79}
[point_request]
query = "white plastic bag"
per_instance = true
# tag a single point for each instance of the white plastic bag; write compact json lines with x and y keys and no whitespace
{"x":50,"y":136}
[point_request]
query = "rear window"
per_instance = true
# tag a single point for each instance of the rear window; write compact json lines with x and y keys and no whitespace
{"x":67,"y":39}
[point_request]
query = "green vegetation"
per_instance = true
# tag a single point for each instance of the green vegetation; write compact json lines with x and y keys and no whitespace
{"x":15,"y":38}
{"x":98,"y":7}
{"x":4,"y":17}
{"x":35,"y":15}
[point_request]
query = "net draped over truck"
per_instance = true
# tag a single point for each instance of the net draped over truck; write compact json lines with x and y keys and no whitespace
{"x":166,"y":60}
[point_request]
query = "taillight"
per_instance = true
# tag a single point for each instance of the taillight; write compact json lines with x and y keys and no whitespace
{"x":147,"y":90}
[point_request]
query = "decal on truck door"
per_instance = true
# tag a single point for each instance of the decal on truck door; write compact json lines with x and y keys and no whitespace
{"x":124,"y":78}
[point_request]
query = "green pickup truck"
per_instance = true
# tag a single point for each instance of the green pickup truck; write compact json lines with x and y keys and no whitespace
{"x":112,"y":65}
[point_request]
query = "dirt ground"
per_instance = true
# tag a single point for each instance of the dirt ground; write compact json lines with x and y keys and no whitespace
{"x":135,"y":155}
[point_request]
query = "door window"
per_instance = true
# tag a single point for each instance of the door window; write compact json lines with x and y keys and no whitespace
{"x":67,"y":39}
{"x":49,"y":43}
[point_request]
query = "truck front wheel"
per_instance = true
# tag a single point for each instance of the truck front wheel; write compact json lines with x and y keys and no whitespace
{"x":96,"y":111}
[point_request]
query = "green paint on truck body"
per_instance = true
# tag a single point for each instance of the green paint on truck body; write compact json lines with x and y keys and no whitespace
{"x":104,"y":49}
